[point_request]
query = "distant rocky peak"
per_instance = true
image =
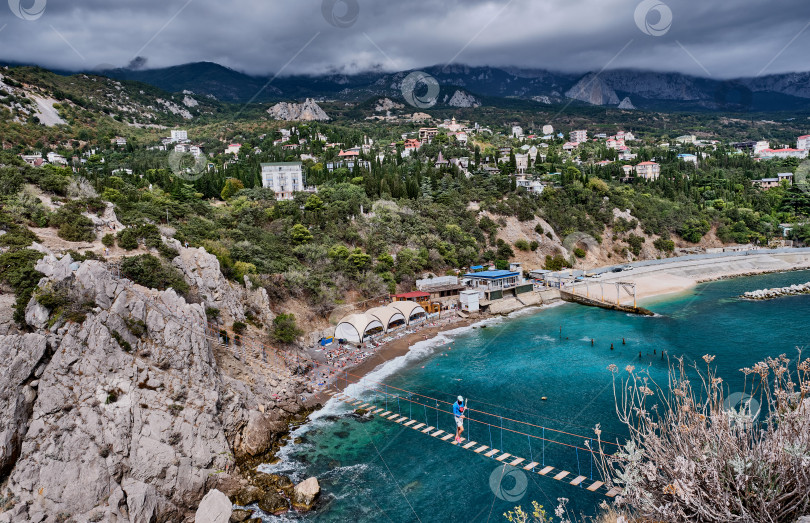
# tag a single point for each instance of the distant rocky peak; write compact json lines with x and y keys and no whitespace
{"x":593,"y":90}
{"x":462,"y":99}
{"x":626,"y":104}
{"x":307,"y":111}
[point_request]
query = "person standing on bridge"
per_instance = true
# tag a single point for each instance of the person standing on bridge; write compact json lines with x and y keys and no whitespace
{"x":458,"y":413}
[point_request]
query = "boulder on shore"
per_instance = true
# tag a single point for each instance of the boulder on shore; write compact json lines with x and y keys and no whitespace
{"x":215,"y":507}
{"x":305,"y":493}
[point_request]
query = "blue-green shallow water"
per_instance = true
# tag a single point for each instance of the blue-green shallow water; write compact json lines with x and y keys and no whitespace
{"x":378,"y":471}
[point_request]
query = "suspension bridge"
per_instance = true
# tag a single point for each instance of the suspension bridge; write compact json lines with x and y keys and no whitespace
{"x":272,"y":362}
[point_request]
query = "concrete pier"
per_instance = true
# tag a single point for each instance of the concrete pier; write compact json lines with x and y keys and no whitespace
{"x":576,"y":298}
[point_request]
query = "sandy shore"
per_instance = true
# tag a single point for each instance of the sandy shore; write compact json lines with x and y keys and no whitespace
{"x":395,"y":348}
{"x":672,"y":276}
{"x":679,"y":275}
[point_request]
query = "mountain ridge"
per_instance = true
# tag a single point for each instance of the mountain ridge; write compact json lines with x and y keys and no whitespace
{"x":647,"y":89}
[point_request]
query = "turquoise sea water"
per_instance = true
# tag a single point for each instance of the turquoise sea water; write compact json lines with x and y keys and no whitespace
{"x":378,"y":471}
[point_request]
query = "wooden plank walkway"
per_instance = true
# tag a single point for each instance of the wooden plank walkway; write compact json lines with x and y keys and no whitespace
{"x":495,"y":454}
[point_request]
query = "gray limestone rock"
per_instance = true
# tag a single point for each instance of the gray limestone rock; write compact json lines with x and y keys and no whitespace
{"x":215,"y":507}
{"x":21,"y":355}
{"x":127,"y":414}
{"x":305,"y":493}
{"x":201,"y":270}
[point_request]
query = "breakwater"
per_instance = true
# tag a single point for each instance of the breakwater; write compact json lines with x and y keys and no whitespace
{"x":779,"y":292}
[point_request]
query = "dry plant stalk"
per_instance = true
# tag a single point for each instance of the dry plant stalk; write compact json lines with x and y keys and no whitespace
{"x":691,"y":458}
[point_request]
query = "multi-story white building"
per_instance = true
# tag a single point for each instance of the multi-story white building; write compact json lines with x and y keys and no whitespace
{"x":522,"y":162}
{"x":195,"y":150}
{"x":179,"y":135}
{"x":426,"y":134}
{"x":56,"y":159}
{"x":803,"y":142}
{"x":578,"y":136}
{"x":285,"y":178}
{"x":532,"y":186}
{"x":761,"y":146}
{"x":32,"y":159}
{"x":784,"y":153}
{"x":517,"y":131}
{"x":648,"y":170}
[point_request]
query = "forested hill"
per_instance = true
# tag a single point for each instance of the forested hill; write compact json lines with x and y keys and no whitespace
{"x":375,"y":227}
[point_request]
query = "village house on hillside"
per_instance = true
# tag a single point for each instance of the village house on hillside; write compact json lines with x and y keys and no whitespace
{"x":285,"y":179}
{"x":648,"y":170}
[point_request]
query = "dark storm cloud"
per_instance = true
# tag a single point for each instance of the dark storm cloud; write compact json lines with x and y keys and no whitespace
{"x":721,"y":39}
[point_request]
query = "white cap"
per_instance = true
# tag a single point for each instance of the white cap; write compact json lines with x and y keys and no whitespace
{"x":460,"y":399}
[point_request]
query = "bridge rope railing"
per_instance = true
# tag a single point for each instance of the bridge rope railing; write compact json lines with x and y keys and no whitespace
{"x":349,"y":378}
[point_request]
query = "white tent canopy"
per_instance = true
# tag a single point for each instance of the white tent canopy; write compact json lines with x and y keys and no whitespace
{"x":388,"y":316}
{"x":355,"y":327}
{"x":410,"y":309}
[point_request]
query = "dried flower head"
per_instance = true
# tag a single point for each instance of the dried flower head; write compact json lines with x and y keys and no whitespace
{"x":707,"y":358}
{"x":630,"y":368}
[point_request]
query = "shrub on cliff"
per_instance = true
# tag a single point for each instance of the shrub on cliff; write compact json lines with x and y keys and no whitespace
{"x":285,"y":329}
{"x":150,"y":272}
{"x":697,"y":454}
{"x":72,"y":225}
{"x":17,"y":271}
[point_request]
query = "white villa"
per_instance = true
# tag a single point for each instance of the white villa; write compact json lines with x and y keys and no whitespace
{"x":178,"y":135}
{"x":648,"y":170}
{"x":285,"y":178}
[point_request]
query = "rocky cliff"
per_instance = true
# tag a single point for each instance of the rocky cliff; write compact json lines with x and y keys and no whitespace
{"x":462,"y":99}
{"x":307,"y":111}
{"x":127,"y":412}
{"x":593,"y":90}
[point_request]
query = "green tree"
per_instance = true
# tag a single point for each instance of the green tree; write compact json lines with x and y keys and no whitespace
{"x":150,"y":272}
{"x":285,"y":329}
{"x":522,"y":245}
{"x":664,"y":244}
{"x":635,"y":243}
{"x":315,"y":207}
{"x":300,"y":234}
{"x":231,"y":187}
{"x":693,"y":229}
{"x":359,"y":260}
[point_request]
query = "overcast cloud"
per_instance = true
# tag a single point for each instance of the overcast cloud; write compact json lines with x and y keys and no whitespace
{"x":706,"y":38}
